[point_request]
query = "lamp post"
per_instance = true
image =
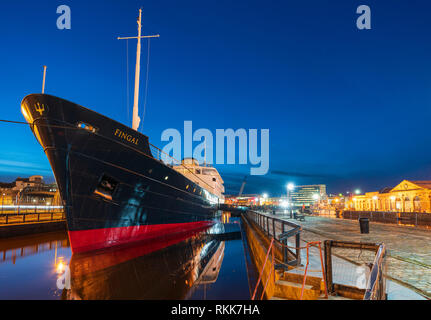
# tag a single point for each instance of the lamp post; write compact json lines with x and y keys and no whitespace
{"x":290,"y":187}
{"x":2,"y":199}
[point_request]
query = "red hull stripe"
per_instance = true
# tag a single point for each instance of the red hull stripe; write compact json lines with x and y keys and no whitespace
{"x":89,"y":240}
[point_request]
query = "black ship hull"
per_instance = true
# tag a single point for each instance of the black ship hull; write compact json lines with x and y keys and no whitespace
{"x":114,"y":190}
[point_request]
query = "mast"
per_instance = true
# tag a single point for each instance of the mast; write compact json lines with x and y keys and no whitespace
{"x":136,"y":120}
{"x":43,"y":81}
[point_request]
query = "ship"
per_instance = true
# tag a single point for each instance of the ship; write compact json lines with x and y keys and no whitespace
{"x":116,"y":187}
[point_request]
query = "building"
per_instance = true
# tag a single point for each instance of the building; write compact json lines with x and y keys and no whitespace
{"x":244,"y":200}
{"x":407,"y":196}
{"x":28,"y":191}
{"x":307,"y":195}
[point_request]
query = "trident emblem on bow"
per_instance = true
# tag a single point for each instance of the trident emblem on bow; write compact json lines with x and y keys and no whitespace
{"x":40,"y":108}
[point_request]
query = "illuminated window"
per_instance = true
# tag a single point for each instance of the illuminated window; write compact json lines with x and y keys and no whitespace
{"x":87,"y":127}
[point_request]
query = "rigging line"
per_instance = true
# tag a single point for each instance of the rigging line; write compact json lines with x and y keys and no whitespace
{"x":127,"y":81}
{"x":146,"y":82}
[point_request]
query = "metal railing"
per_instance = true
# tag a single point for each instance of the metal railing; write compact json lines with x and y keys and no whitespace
{"x":32,"y":217}
{"x":281,"y":231}
{"x":376,"y":285}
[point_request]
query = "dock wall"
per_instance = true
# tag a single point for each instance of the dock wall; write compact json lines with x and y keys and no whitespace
{"x":258,"y":244}
{"x":17,"y":230}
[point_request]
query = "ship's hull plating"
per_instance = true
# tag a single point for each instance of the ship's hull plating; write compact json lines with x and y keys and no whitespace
{"x":114,"y":190}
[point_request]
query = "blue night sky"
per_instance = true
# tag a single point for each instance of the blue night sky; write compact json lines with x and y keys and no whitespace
{"x":345,"y":107}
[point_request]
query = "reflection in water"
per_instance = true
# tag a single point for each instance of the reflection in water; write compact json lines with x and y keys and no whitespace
{"x":199,"y":265}
{"x":164,"y":269}
{"x":17,"y":248}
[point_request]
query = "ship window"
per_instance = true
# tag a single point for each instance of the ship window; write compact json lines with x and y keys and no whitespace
{"x":167,"y":177}
{"x":106,"y":187}
{"x":198,"y":171}
{"x":187,"y":187}
{"x":214,"y":179}
{"x":194,"y":190}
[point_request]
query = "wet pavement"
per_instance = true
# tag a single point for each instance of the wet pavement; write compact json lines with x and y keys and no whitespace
{"x":409,"y":250}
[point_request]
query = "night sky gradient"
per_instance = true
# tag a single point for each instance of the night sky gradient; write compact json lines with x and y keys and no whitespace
{"x":345,"y":107}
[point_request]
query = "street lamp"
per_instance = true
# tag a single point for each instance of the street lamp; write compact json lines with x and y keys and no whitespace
{"x":264,"y":196}
{"x":2,"y":199}
{"x":290,"y":186}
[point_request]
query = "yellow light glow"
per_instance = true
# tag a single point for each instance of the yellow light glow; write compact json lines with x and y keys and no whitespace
{"x":25,"y":114}
{"x":60,"y":267}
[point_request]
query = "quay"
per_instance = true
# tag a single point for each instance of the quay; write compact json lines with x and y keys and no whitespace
{"x":28,"y":221}
{"x":297,"y":261}
{"x":408,"y":263}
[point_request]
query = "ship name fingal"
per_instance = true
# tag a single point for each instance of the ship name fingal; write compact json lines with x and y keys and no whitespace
{"x":122,"y":135}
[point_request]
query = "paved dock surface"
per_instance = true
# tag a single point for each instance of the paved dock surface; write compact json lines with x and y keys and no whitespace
{"x":409,"y":253}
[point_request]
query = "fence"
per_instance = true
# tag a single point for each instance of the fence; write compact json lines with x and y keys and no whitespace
{"x":35,"y":216}
{"x":281,"y":231}
{"x":376,"y":285}
{"x":415,"y":219}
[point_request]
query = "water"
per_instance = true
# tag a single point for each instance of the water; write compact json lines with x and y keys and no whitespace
{"x":194,"y":266}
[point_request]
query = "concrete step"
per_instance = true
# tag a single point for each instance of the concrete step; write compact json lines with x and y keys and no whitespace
{"x":299,"y":278}
{"x":322,"y":297}
{"x":292,"y":291}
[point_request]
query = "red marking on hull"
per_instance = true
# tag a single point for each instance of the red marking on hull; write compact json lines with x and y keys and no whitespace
{"x":89,"y":240}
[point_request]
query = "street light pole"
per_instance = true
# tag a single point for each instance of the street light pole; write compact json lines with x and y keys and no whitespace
{"x":290,"y":187}
{"x":2,"y":200}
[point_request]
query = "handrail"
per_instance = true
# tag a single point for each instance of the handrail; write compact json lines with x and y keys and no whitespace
{"x":268,"y":225}
{"x":176,"y":161}
{"x":290,"y":233}
{"x":263,"y":268}
{"x":376,"y":286}
{"x":309,"y":244}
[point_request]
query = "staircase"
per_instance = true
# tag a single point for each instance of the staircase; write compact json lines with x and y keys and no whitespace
{"x":288,"y":286}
